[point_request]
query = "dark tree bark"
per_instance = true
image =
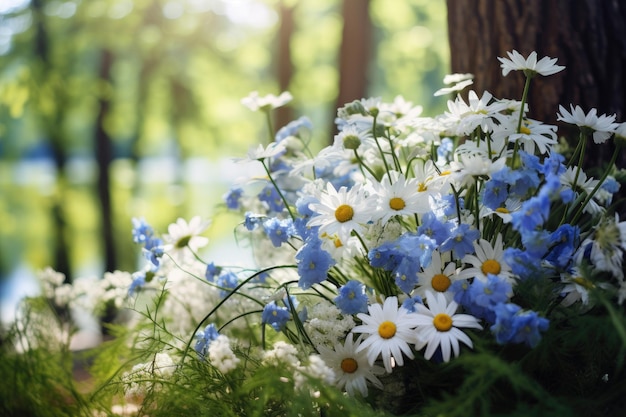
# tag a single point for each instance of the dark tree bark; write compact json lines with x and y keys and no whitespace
{"x":104,"y":155}
{"x":355,"y":51}
{"x":284,"y":67}
{"x":588,"y":37}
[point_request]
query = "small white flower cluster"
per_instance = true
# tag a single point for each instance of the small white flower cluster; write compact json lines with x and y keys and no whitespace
{"x":327,"y":324}
{"x":221,"y":355}
{"x":145,"y":377}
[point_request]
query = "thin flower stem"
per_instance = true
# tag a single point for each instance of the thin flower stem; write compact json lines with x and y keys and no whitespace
{"x":226,"y":298}
{"x":605,"y":174}
{"x":521,"y":118}
{"x":380,"y":149}
{"x":270,"y":126}
{"x":282,"y":197}
{"x":364,"y":165}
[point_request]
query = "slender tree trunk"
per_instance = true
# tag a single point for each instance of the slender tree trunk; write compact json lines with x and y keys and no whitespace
{"x":355,"y":51}
{"x":284,"y":68}
{"x":104,"y":155}
{"x":53,"y":125}
{"x":588,"y":37}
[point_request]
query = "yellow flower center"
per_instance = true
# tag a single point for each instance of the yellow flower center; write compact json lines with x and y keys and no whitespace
{"x":440,"y":282}
{"x":337,"y":242}
{"x":525,"y":130}
{"x":387,"y":329}
{"x":344,"y":213}
{"x":421,"y":187}
{"x":491,"y":266}
{"x":442,"y":322}
{"x":447,"y":172}
{"x":349,"y":365}
{"x":397,"y":203}
{"x":585,"y":283}
{"x":502,"y":210}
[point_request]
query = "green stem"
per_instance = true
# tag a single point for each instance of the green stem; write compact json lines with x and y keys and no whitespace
{"x":605,"y":174}
{"x":380,"y":149}
{"x":362,"y":164}
{"x":282,"y":197}
{"x":270,"y":127}
{"x":521,"y":117}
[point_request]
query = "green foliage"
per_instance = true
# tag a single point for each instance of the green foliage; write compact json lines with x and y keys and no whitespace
{"x":36,"y":366}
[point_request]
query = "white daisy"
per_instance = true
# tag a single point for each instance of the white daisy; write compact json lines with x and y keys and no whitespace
{"x":608,"y":245}
{"x":388,"y":330}
{"x":511,"y":205}
{"x":430,"y":182}
{"x":340,"y":212}
{"x":532,"y":135}
{"x":457,"y":86}
{"x":255,"y":102}
{"x":437,"y":277}
{"x":437,"y":326}
{"x":576,"y":287}
{"x":182,"y":235}
{"x":354,"y":139}
{"x":577,"y":180}
{"x":530,"y":66}
{"x":602,"y":126}
{"x":479,"y":112}
{"x":487,"y":260}
{"x":352,"y":370}
{"x":260,"y":153}
{"x":396,"y":197}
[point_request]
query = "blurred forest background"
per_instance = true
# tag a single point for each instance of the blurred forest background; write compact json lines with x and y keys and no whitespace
{"x":113,"y":109}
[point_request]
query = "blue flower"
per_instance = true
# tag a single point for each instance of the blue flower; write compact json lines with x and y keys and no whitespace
{"x":275,"y":316}
{"x":278,"y":230}
{"x":387,"y":256}
{"x":409,"y":303}
{"x":406,"y":274}
{"x":352,"y":298}
{"x":232,"y":197}
{"x":227,"y":282}
{"x":553,"y":165}
{"x":142,"y":231}
{"x":460,"y":289}
{"x":495,"y":193}
{"x":512,"y":325}
{"x":484,"y":296}
{"x":444,"y":151}
{"x":270,"y":195}
{"x":313,"y":263}
{"x":139,"y":280}
{"x":533,"y":213}
{"x":536,"y":242}
{"x":153,"y":250}
{"x":418,"y":247}
{"x":522,"y":263}
{"x":212,"y":272}
{"x":460,"y":241}
{"x":564,"y":240}
{"x":294,"y":128}
{"x":204,"y":339}
{"x":252,"y":220}
{"x":434,"y":228}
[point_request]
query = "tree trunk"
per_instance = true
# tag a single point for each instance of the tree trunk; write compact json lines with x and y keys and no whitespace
{"x":588,"y":37}
{"x":284,"y":67}
{"x":355,"y":52}
{"x":104,"y":155}
{"x":53,"y":125}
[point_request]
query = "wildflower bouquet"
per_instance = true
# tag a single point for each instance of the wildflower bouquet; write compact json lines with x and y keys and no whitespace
{"x":463,"y":264}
